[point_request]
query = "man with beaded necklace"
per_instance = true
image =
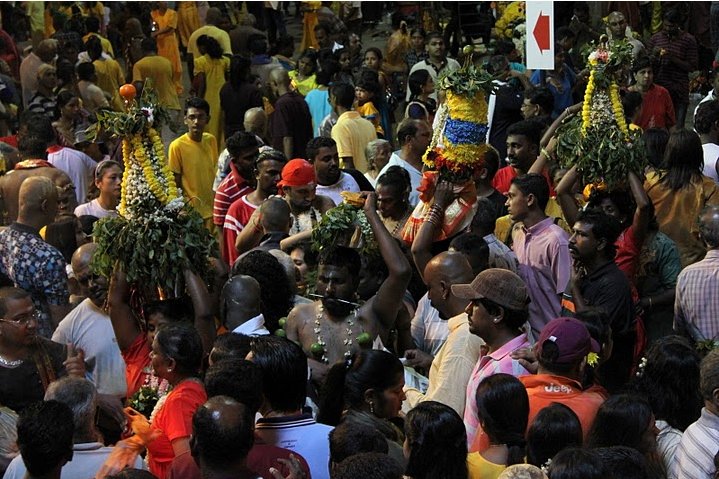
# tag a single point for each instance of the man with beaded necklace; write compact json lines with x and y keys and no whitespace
{"x":332,"y":328}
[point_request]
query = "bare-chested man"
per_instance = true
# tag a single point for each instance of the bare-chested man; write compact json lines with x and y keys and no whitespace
{"x":332,"y":328}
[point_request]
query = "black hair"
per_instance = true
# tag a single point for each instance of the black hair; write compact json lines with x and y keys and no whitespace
{"x":408,"y":127}
{"x":375,"y":50}
{"x":641,"y":63}
{"x":656,"y":140}
{"x":284,"y":372}
{"x":365,"y":82}
{"x":396,"y":177}
{"x":541,"y":96}
{"x":182,"y":343}
{"x":93,"y":47}
{"x":437,"y":442}
{"x":342,"y":257}
{"x":504,"y":47}
{"x":61,"y":235}
{"x":92,"y":24}
{"x":485,"y":218}
{"x":555,"y":427}
{"x":329,"y":67}
{"x":312,"y":56}
{"x":576,"y":463}
{"x":669,"y":380}
{"x":530,"y":129}
{"x":368,"y":465}
{"x":674,"y":15}
{"x":533,"y":184}
{"x":230,"y":346}
{"x":621,"y":198}
{"x":473,"y":247}
{"x":237,"y":378}
{"x":631,"y":102}
{"x":85,"y":70}
{"x":276,"y":294}
{"x":596,"y":320}
{"x":88,"y":223}
{"x":176,"y":310}
{"x":432,"y":35}
{"x":211,"y":46}
{"x":621,"y":420}
{"x":65,"y":73}
{"x":314,"y":145}
{"x":491,"y":162}
{"x":565,"y":32}
{"x":239,"y":71}
{"x":257,"y":44}
{"x":503,"y":410}
{"x":416,"y":81}
{"x":624,"y":462}
{"x":344,"y":94}
{"x":603,"y":227}
{"x":347,"y":382}
{"x":707,"y":116}
{"x":419,"y":30}
{"x":130,"y":473}
{"x":350,"y":438}
{"x":239,"y":141}
{"x":62,"y":99}
{"x":220,"y":442}
{"x":39,"y":135}
{"x":198,"y":103}
{"x":44,"y":436}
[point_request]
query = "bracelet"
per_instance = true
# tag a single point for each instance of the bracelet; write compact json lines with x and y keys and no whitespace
{"x":546,"y":154}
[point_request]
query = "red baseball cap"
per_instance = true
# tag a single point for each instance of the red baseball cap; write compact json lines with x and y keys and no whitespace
{"x":297,"y":172}
{"x":571,"y":338}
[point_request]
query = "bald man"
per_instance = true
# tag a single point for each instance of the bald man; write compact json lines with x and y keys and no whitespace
{"x":240,"y":306}
{"x":291,"y":123}
{"x":617,"y":30}
{"x":28,"y":261}
{"x":453,"y":364}
{"x":276,"y":221}
{"x":255,"y":121}
{"x":213,"y":20}
{"x":89,"y":327}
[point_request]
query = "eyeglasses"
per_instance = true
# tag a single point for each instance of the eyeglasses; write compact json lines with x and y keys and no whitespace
{"x":23,"y":321}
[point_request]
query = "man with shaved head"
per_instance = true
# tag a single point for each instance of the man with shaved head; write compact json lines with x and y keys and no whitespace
{"x":617,"y":29}
{"x":240,"y":306}
{"x":291,"y":122}
{"x":453,"y":364}
{"x":28,"y":261}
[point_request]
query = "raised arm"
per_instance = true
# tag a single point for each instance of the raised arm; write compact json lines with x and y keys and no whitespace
{"x":201,"y":303}
{"x":389,"y":296}
{"x":123,"y":321}
{"x":565,"y":196}
{"x":642,"y":214}
{"x":553,"y":127}
{"x":422,"y":244}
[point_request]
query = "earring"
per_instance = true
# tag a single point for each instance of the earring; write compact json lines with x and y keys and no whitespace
{"x":371,"y":407}
{"x":496,"y":320}
{"x":169,"y":370}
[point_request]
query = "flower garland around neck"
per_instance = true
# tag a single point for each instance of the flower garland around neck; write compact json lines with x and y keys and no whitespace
{"x":319,"y":350}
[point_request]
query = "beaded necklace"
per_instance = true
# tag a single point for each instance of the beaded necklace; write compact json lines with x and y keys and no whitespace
{"x":320,"y":341}
{"x":10,"y":363}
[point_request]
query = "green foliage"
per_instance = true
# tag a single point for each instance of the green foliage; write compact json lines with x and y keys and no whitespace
{"x":337,"y":227}
{"x":154,"y":250}
{"x":144,"y":400}
{"x":466,"y":81}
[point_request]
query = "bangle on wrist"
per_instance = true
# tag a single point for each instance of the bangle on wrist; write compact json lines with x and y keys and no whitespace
{"x":546,"y":154}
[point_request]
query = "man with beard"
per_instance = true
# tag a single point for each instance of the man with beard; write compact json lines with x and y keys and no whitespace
{"x":243,"y":150}
{"x":331,"y":180}
{"x":334,"y":327}
{"x":522,"y":150}
{"x":89,"y":327}
{"x":267,"y":170}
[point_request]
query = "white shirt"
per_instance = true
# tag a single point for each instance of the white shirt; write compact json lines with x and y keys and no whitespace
{"x":93,"y":208}
{"x":253,"y":327}
{"x":78,"y":166}
{"x":415,"y":176}
{"x":711,"y":155}
{"x":345,"y":183}
{"x":90,"y":329}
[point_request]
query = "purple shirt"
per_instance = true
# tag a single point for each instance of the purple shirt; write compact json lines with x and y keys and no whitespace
{"x":545,"y":267}
{"x":499,"y":361}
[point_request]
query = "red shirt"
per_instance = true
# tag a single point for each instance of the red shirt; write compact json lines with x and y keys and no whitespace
{"x":503,"y":179}
{"x":175,"y":421}
{"x":237,"y":217}
{"x":137,"y":362}
{"x":232,"y":188}
{"x":657,"y":109}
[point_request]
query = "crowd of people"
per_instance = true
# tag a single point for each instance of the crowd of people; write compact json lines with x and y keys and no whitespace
{"x":569,"y":331}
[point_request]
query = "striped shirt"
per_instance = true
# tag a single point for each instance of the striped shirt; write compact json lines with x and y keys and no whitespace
{"x":237,"y":217}
{"x":232,"y":188}
{"x":670,"y":76}
{"x":695,"y":311}
{"x":428,"y":331}
{"x":700,"y":443}
{"x":497,"y":362}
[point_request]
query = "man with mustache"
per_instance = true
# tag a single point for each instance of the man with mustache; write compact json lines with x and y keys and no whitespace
{"x":522,"y":150}
{"x":331,"y":180}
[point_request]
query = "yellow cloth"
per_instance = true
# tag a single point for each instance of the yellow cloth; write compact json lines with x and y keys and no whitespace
{"x":109,"y":78}
{"x":159,"y":69}
{"x":309,"y":21}
{"x":106,"y":45}
{"x":352,"y":133}
{"x":211,"y":31}
{"x":214,"y":70}
{"x":195,"y":162}
{"x":371,"y":113}
{"x":305,"y":86}
{"x":188,"y":20}
{"x":36,"y":13}
{"x":677,"y":213}
{"x":451,"y":368}
{"x":480,"y":468}
{"x":167,"y":45}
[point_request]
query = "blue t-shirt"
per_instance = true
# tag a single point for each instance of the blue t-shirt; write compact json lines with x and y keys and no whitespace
{"x":562,"y":99}
{"x":318,"y":101}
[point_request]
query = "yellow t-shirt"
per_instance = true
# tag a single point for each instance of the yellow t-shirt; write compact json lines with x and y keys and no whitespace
{"x":195,"y":162}
{"x":305,"y":86}
{"x":480,"y":468}
{"x":352,"y":133}
{"x":106,"y":45}
{"x":159,"y":70}
{"x":371,"y":113}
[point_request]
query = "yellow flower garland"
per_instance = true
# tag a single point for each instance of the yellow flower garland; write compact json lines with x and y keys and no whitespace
{"x":126,"y":159}
{"x":159,"y":150}
{"x":618,"y":109}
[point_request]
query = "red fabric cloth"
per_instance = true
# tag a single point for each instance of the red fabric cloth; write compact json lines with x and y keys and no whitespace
{"x":232,"y":188}
{"x":503,"y":179}
{"x":9,"y":140}
{"x":297,"y":172}
{"x":657,"y":109}
{"x":175,"y":421}
{"x":236,"y":218}
{"x":137,"y":362}
{"x":259,"y":460}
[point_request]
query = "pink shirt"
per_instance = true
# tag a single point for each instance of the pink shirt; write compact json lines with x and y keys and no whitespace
{"x":545,"y":266}
{"x":497,"y":362}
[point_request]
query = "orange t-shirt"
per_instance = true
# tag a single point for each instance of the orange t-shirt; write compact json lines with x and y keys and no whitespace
{"x":137,"y":362}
